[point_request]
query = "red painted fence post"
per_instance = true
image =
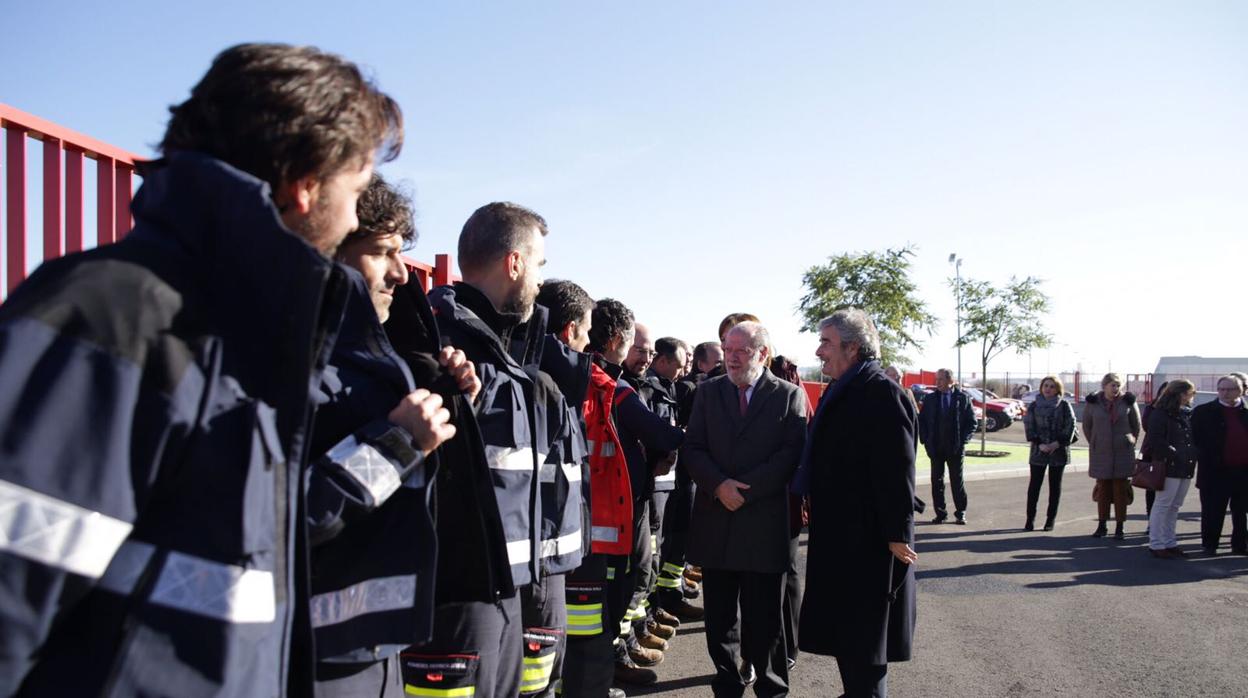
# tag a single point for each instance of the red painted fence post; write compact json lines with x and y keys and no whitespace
{"x":15,"y":246}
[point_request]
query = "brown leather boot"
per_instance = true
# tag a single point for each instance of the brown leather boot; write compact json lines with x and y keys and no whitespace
{"x":644,"y":656}
{"x":658,"y":629}
{"x":652,"y":642}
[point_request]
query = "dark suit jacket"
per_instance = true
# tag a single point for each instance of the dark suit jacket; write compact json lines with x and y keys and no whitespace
{"x":761,"y":450}
{"x":961,"y":411}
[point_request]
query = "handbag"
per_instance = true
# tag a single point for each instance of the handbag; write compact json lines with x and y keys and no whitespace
{"x":1149,"y":475}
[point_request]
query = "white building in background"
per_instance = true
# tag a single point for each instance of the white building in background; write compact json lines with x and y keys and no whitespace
{"x":1203,"y":371}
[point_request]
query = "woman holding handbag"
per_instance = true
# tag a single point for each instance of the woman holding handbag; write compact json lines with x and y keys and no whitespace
{"x":1050,"y":427}
{"x":1111,"y":424}
{"x":1169,"y":440}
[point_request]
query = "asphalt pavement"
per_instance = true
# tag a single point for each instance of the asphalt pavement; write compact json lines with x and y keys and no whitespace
{"x":1003,"y":612}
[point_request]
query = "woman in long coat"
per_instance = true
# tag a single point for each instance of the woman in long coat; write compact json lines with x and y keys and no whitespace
{"x":859,"y":473}
{"x":1111,"y":424}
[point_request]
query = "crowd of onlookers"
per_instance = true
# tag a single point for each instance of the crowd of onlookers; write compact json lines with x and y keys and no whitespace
{"x":1181,"y":443}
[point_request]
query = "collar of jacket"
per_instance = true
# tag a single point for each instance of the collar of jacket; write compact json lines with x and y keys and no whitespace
{"x":613,"y":370}
{"x":448,"y":302}
{"x":570,"y":369}
{"x":363,"y":343}
{"x":1128,"y":399}
{"x":500,"y":323}
{"x":244,"y":276}
{"x":527,"y":342}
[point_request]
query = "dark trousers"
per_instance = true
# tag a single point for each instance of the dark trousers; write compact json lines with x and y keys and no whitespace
{"x":489,"y":634}
{"x":372,"y":680}
{"x":863,"y":680}
{"x":672,"y":542}
{"x":643,"y":573}
{"x":1055,"y":489}
{"x":760,"y":639}
{"x":1216,"y":492}
{"x":792,"y":601}
{"x":588,"y":669}
{"x":954,"y":463}
{"x":545,"y":617}
{"x":658,"y":512}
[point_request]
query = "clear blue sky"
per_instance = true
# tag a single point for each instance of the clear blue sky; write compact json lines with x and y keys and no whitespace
{"x":694,"y":158}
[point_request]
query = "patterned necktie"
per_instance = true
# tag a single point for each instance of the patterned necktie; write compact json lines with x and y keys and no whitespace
{"x":744,"y":404}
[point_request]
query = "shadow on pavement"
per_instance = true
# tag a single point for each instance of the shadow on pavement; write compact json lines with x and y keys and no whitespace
{"x":1085,"y":559}
{"x":673,"y":685}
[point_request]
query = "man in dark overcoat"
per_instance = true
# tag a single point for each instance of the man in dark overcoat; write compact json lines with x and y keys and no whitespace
{"x":858,"y":470}
{"x":744,"y":439}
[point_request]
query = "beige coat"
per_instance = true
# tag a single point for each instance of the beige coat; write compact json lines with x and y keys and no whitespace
{"x":1111,"y":442}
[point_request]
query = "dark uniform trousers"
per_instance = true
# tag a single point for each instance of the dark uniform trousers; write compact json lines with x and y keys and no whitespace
{"x":760,"y":638}
{"x":640,"y":569}
{"x":658,"y":511}
{"x":475,"y":645}
{"x":545,"y":621}
{"x":596,"y":605}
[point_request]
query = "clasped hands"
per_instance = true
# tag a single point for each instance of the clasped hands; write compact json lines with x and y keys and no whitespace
{"x":421,"y":413}
{"x":729,"y":494}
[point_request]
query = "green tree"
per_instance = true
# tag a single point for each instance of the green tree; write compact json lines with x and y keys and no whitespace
{"x":878,"y":283}
{"x":999,"y":318}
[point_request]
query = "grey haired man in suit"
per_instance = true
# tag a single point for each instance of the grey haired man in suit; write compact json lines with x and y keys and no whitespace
{"x":743,"y":443}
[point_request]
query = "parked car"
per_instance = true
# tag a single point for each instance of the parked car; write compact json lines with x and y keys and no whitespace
{"x":999,"y":413}
{"x":920,"y":390}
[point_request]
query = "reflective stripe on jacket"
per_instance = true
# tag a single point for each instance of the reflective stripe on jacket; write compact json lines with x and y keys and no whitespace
{"x":506,"y":413}
{"x":156,"y":398}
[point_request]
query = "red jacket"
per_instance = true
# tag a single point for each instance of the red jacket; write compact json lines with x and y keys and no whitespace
{"x":611,"y":503}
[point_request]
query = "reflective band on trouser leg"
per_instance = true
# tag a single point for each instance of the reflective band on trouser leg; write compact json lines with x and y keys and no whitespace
{"x":440,"y":692}
{"x":584,"y":619}
{"x":669,"y":576}
{"x":610,"y":574}
{"x":536,"y":674}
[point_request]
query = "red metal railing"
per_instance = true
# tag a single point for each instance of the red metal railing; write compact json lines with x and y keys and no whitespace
{"x":62,"y":222}
{"x":63,"y":191}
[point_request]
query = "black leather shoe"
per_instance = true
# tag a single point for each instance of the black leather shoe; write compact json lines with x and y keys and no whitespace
{"x":1048,"y":524}
{"x":960,"y":518}
{"x":748,"y":675}
{"x":1030,"y":525}
{"x":940,"y":518}
{"x":1101,"y":530}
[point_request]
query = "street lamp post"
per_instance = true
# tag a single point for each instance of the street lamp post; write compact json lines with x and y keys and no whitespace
{"x":956,"y":261}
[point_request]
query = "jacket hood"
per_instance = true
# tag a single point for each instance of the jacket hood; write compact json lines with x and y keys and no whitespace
{"x":244,"y":275}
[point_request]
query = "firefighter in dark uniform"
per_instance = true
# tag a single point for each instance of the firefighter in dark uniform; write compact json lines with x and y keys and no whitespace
{"x":588,"y":671}
{"x":501,"y":250}
{"x":372,"y":597}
